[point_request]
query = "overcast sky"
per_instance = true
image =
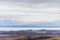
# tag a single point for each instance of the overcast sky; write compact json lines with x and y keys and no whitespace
{"x":30,"y":10}
{"x":15,"y":29}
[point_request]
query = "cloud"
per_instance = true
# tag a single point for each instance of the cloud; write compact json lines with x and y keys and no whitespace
{"x":32,"y":1}
{"x":17,"y":28}
{"x":27,"y":12}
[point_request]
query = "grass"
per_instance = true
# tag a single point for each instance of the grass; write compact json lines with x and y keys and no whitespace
{"x":31,"y":38}
{"x":54,"y":38}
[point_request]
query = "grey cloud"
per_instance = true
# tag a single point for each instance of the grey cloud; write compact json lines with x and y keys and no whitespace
{"x":32,"y":1}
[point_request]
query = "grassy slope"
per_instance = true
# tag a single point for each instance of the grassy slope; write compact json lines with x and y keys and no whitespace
{"x":31,"y":38}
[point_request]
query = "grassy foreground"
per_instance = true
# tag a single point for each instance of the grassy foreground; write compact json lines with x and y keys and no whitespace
{"x":30,"y":38}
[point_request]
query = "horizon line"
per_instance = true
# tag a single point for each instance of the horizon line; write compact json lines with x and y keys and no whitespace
{"x":17,"y":28}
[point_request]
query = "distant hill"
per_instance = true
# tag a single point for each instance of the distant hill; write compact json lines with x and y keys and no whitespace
{"x":33,"y":32}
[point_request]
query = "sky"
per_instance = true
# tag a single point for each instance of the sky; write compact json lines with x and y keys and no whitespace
{"x":17,"y":29}
{"x":30,"y":10}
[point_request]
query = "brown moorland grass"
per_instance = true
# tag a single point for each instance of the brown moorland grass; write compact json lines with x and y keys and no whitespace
{"x":30,"y":38}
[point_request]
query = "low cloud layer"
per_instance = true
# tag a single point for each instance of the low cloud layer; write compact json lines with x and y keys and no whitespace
{"x":30,"y":10}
